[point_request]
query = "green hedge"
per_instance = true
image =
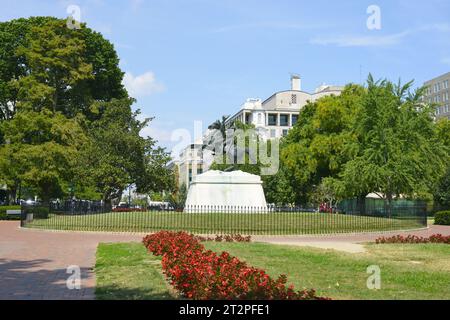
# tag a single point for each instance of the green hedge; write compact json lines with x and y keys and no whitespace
{"x":442,"y":218}
{"x":38,"y":212}
{"x":4,"y":216}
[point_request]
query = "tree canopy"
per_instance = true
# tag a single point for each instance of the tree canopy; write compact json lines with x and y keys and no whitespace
{"x":65,"y":117}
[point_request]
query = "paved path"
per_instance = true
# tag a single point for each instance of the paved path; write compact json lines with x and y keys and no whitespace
{"x":33,"y":263}
{"x":352,"y":243}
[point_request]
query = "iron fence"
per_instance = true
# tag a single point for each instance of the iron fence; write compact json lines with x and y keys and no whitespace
{"x":222,"y":219}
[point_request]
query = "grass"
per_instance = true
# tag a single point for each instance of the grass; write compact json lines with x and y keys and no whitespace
{"x":275,"y":223}
{"x":417,"y":271}
{"x":127,"y":272}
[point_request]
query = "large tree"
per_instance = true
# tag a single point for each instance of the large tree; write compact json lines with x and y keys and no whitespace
{"x":80,"y":134}
{"x":399,"y":153}
{"x":317,"y":147}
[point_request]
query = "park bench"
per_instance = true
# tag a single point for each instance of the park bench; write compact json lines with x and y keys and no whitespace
{"x":13,"y":212}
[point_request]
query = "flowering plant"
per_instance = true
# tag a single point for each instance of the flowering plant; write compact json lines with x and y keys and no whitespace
{"x":204,"y":275}
{"x":436,"y":238}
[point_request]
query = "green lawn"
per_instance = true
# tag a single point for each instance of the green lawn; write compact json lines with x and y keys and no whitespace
{"x":419,"y":271}
{"x":212,"y":223}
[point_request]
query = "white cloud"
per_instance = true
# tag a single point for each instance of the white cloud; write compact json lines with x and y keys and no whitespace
{"x":361,"y":41}
{"x":378,"y":41}
{"x":142,"y":85}
{"x":268,"y":25}
{"x":446,"y":60}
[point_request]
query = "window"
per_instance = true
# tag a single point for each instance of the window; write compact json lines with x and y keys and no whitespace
{"x":247,"y":118}
{"x":446,"y":84}
{"x":293,"y":99}
{"x":259,"y":118}
{"x":272,"y":120}
{"x":285,"y":132}
{"x":190,"y":175}
{"x":294,"y":119}
{"x":284,"y":120}
{"x":199,"y":171}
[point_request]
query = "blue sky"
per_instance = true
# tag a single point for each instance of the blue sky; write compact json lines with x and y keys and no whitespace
{"x":197,"y":59}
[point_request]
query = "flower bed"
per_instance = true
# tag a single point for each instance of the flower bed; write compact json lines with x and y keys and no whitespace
{"x":204,"y":275}
{"x":225,"y":238}
{"x":437,"y":238}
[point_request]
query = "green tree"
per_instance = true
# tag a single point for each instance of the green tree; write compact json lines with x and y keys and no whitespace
{"x":398,"y":152}
{"x":318,"y":146}
{"x":441,"y":193}
{"x":41,"y":151}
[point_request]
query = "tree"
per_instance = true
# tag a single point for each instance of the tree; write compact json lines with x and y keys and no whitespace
{"x":441,"y":192}
{"x":117,"y":156}
{"x":318,"y":146}
{"x":41,"y":151}
{"x":82,"y":138}
{"x":398,"y":153}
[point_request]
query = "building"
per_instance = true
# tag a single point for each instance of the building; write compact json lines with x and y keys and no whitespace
{"x":189,"y":164}
{"x":277,"y":114}
{"x":437,"y":92}
{"x":272,"y":118}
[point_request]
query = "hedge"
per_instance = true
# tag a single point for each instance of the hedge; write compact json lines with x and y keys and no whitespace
{"x":442,"y":218}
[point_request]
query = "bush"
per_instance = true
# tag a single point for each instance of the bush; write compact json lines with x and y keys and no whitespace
{"x":38,"y":212}
{"x":4,"y":216}
{"x":442,"y":218}
{"x":436,"y":238}
{"x":203,"y":275}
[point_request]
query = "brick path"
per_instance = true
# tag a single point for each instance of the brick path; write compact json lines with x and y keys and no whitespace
{"x":33,"y":263}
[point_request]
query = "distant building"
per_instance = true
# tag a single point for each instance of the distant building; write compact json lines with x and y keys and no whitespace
{"x":274,"y":116}
{"x":189,"y":164}
{"x":438,"y":92}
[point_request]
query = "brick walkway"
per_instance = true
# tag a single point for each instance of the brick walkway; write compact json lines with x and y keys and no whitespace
{"x":33,"y":263}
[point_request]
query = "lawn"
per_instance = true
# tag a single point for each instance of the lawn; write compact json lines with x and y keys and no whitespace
{"x":202,"y":223}
{"x":419,"y":271}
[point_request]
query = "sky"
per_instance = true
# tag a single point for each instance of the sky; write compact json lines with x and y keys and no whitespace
{"x":196,"y":60}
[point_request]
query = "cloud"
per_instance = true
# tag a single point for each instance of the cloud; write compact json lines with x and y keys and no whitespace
{"x":361,"y":41}
{"x":268,"y":25}
{"x":378,"y":41}
{"x":446,"y":60}
{"x":142,"y":85}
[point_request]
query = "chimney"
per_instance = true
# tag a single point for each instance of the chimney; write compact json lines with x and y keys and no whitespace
{"x":296,"y":83}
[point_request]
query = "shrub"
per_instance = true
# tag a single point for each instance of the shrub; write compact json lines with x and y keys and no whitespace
{"x":38,"y":212}
{"x":442,"y":218}
{"x":204,"y":275}
{"x":436,"y":238}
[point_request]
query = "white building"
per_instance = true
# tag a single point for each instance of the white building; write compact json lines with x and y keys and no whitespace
{"x":274,"y":116}
{"x":189,"y":163}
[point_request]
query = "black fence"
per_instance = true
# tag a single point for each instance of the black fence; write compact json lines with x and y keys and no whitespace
{"x":222,"y":219}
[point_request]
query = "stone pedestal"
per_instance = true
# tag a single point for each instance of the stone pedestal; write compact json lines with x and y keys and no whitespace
{"x":236,"y":189}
